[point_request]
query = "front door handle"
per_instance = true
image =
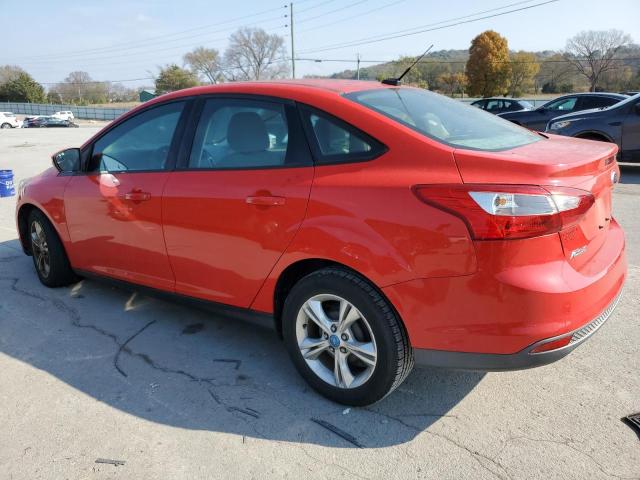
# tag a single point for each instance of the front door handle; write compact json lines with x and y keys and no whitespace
{"x":265,"y":200}
{"x":137,"y":195}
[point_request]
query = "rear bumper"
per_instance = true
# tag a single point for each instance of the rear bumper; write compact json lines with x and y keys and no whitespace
{"x":516,"y":361}
{"x":523,"y":292}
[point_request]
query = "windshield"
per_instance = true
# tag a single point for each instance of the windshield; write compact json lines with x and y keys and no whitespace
{"x":445,"y":120}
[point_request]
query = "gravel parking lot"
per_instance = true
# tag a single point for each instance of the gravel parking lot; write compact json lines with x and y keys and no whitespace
{"x":94,"y":372}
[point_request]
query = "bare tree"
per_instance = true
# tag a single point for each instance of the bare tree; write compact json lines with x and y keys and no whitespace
{"x":9,"y":73}
{"x":593,"y":52}
{"x":253,"y":54}
{"x":206,"y":63}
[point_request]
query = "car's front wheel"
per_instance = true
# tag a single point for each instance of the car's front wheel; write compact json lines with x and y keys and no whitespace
{"x":5,"y":125}
{"x":49,"y":257}
{"x":344,"y":337}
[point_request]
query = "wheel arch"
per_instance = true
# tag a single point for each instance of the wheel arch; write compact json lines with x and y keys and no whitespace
{"x":22,"y":220}
{"x":299,"y":269}
{"x":594,"y":135}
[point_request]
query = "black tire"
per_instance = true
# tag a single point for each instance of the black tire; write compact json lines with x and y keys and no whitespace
{"x":394,"y":352}
{"x":5,"y":125}
{"x":59,"y":272}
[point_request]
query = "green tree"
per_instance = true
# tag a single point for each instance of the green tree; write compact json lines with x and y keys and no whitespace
{"x":488,"y":68}
{"x":524,"y":67}
{"x":172,"y":78}
{"x":23,"y":88}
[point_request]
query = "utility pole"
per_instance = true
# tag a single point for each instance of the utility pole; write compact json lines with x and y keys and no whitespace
{"x":358,"y":66}
{"x":293,"y":51}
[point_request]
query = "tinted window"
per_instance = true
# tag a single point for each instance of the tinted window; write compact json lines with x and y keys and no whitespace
{"x":596,"y":102}
{"x":494,"y":105}
{"x":240,"y":134}
{"x":445,"y":120}
{"x":564,"y":104}
{"x":336,"y":141}
{"x":139,"y":143}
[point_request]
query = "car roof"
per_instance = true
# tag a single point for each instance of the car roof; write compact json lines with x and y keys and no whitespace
{"x":596,"y":94}
{"x":278,"y":88}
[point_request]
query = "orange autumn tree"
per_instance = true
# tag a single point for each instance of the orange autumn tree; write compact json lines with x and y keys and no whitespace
{"x":488,"y":68}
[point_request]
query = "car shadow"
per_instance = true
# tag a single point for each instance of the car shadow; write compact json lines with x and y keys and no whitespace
{"x":630,"y":174}
{"x":180,"y":366}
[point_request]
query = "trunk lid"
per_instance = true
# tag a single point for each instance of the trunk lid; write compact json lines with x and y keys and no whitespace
{"x":555,"y":161}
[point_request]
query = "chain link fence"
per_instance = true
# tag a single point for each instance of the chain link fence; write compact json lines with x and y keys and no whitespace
{"x":89,"y":113}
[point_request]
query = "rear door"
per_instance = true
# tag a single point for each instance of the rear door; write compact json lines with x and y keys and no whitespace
{"x":237,"y":198}
{"x":113,"y":209}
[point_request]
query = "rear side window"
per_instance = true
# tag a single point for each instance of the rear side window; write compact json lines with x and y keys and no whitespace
{"x":139,"y":143}
{"x":335,"y":141}
{"x":596,"y":102}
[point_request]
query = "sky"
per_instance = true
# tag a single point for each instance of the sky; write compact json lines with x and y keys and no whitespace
{"x":129,"y":40}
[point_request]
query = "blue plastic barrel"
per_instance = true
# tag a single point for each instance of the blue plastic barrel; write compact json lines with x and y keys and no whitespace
{"x":6,"y":183}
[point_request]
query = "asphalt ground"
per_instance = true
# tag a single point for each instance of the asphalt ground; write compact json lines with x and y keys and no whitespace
{"x":94,"y":372}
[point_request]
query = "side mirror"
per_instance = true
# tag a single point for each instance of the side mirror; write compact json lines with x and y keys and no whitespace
{"x":67,"y":161}
{"x":542,"y":110}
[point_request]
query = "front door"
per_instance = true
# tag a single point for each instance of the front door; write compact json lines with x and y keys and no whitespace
{"x":630,"y":144}
{"x":114,"y":208}
{"x":232,"y":208}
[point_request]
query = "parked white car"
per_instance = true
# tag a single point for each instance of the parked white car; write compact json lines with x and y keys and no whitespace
{"x":9,"y":120}
{"x":65,"y":115}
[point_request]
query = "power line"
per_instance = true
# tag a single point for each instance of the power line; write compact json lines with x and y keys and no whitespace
{"x":120,"y":45}
{"x":394,"y":35}
{"x":357,"y":15}
{"x":428,"y":61}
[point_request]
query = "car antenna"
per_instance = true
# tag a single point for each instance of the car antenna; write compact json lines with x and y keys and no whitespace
{"x":397,"y":81}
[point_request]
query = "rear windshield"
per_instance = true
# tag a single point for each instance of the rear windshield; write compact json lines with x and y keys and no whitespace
{"x":445,"y":120}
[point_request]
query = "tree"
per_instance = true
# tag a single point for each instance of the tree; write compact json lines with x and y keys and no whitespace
{"x":79,"y":88}
{"x":172,"y":77}
{"x":592,"y":53}
{"x":253,"y":54}
{"x":553,"y":71}
{"x":524,"y":67}
{"x":23,"y":88}
{"x":9,"y":72}
{"x":488,"y":68}
{"x":205,"y":62}
{"x":453,"y":82}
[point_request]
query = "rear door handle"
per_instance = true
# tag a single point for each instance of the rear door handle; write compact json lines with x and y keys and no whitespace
{"x":137,"y":195}
{"x":265,"y":200}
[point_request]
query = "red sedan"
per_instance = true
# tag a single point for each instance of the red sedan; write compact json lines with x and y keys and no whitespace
{"x":374,"y":225}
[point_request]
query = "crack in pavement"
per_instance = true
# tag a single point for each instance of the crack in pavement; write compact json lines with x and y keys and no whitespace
{"x":124,"y":345}
{"x":474,"y":454}
{"x":567,"y":443}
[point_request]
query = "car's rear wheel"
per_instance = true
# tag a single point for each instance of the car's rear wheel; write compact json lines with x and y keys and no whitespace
{"x":5,"y":125}
{"x":49,"y":257}
{"x":344,"y":337}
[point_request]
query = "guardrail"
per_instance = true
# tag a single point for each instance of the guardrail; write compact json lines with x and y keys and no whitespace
{"x":89,"y":113}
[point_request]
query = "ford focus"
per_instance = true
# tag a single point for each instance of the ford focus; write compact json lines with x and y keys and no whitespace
{"x":374,"y":226}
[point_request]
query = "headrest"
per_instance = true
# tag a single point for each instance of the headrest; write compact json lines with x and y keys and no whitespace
{"x":247,"y":133}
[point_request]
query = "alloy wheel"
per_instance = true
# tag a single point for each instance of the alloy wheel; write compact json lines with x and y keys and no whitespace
{"x":40,"y":249}
{"x":336,"y":341}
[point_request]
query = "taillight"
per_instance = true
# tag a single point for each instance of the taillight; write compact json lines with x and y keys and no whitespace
{"x":494,"y":212}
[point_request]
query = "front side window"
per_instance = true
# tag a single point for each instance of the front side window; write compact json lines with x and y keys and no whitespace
{"x":238,"y":133}
{"x":445,"y":120}
{"x":562,"y":105}
{"x":140,"y":143}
